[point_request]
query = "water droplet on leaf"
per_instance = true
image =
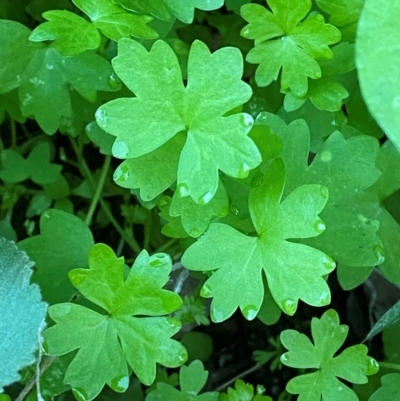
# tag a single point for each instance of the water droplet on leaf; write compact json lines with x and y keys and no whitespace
{"x":182,"y":357}
{"x":163,"y":201}
{"x":203,"y":200}
{"x":205,"y":291}
{"x":120,"y":149}
{"x":325,"y":299}
{"x":76,"y":277}
{"x":120,"y":384}
{"x":326,"y":156}
{"x":372,"y":366}
{"x":246,"y":120}
{"x":243,"y":170}
{"x":101,"y":117}
{"x":159,"y":259}
{"x":217,"y":315}
{"x":324,"y":191}
{"x":174,"y":323}
{"x":257,"y":180}
{"x":194,"y":232}
{"x":121,"y":174}
{"x":233,"y":209}
{"x":379,"y":252}
{"x":80,"y":394}
{"x":319,"y":226}
{"x":328,"y":262}
{"x":114,"y":82}
{"x":289,"y":306}
{"x":183,"y":190}
{"x":250,"y":312}
{"x":285,"y":357}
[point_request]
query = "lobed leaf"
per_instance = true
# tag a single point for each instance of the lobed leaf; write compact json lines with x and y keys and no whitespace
{"x":352,"y":365}
{"x":164,"y":107}
{"x":131,"y":333}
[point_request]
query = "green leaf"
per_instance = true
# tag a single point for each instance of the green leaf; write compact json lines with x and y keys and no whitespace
{"x":157,"y":8}
{"x":100,"y":138}
{"x":173,"y":226}
{"x":196,"y":218}
{"x":340,"y":165}
{"x":375,"y":63}
{"x":46,"y":79}
{"x":17,"y":50}
{"x":192,"y":379}
{"x":184,"y":11}
{"x":163,"y":107}
{"x":342,"y":12}
{"x":71,"y":33}
{"x":352,"y":365}
{"x":284,"y":40}
{"x":391,"y":316}
{"x":390,"y":389}
{"x":63,"y":244}
{"x":116,"y":22}
{"x":37,"y":166}
{"x":22,"y":313}
{"x":327,"y":93}
{"x":153,"y":172}
{"x":294,"y":271}
{"x":242,"y":392}
{"x":132,"y":332}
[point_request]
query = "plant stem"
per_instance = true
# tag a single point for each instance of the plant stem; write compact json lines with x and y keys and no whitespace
{"x":99,"y":189}
{"x":389,"y":365}
{"x":130,"y":240}
{"x":29,"y":386}
{"x":166,"y":245}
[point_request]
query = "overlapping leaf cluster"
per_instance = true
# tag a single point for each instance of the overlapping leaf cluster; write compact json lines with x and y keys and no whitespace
{"x":267,"y":175}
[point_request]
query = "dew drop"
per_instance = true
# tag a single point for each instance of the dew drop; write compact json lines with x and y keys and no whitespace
{"x":183,"y":190}
{"x":250,"y":312}
{"x":328,"y":262}
{"x":326,"y":156}
{"x":159,"y":259}
{"x":319,"y":226}
{"x":243,"y":171}
{"x":121,"y":174}
{"x":285,"y":357}
{"x":289,"y":306}
{"x":101,"y":117}
{"x":233,"y":209}
{"x":80,"y":394}
{"x":120,"y":149}
{"x":379,"y":252}
{"x":114,"y":82}
{"x":257,"y":180}
{"x":49,"y":66}
{"x":324,"y":191}
{"x":182,"y":357}
{"x":76,"y":277}
{"x":246,"y":120}
{"x":372,"y":366}
{"x":194,"y":232}
{"x":203,"y":200}
{"x":163,"y":201}
{"x":205,"y":291}
{"x":325,"y":299}
{"x":120,"y":384}
{"x":217,"y":315}
{"x":173,"y":323}
{"x":223,"y":211}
